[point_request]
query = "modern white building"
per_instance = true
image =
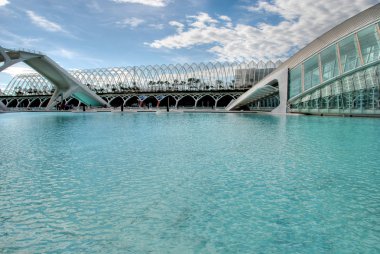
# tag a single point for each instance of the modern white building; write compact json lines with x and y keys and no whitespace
{"x":337,"y":73}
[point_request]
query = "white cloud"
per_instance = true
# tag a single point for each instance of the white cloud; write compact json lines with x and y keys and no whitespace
{"x":2,"y":87}
{"x":157,"y":26}
{"x":64,"y":53}
{"x":7,"y":74}
{"x":178,"y":25}
{"x":94,"y":6}
{"x":59,"y":53}
{"x":225,"y":18}
{"x":130,"y":22}
{"x":181,"y":59}
{"x":9,"y":39}
{"x":201,"y":20}
{"x":274,"y":8}
{"x":3,"y":2}
{"x":44,"y":23}
{"x":16,"y":70}
{"x":302,"y":22}
{"x":154,"y":3}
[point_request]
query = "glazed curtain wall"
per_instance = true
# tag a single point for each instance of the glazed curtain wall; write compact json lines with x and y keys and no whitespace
{"x":357,"y":92}
{"x":356,"y":50}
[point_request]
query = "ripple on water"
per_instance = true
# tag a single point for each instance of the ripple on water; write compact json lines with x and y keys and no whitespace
{"x":188,"y":183}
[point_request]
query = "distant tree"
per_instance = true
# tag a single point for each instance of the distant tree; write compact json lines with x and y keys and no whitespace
{"x":219,"y":83}
{"x":197,"y":82}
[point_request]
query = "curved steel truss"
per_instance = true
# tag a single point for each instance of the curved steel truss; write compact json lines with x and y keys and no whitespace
{"x":34,"y":101}
{"x":216,"y":76}
{"x":202,"y":99}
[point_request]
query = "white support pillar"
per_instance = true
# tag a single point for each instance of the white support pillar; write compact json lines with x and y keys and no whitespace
{"x":3,"y":107}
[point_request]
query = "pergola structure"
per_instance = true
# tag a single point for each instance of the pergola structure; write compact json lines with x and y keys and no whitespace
{"x":206,"y":84}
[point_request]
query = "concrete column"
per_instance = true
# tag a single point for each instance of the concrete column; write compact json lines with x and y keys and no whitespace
{"x":282,"y":78}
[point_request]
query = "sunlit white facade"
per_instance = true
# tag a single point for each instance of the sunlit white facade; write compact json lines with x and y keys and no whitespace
{"x":338,"y":73}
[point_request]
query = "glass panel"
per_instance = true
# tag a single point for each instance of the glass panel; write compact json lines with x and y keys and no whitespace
{"x":326,"y":91}
{"x":348,"y":54}
{"x":329,"y":63}
{"x":369,"y":44}
{"x":311,"y":70}
{"x":295,"y":87}
{"x":370,"y":77}
{"x":336,"y":87}
{"x":348,"y":84}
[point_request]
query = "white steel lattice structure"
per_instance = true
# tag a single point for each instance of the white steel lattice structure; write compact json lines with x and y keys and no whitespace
{"x":214,"y":76}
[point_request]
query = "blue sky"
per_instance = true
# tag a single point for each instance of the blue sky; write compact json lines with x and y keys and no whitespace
{"x":83,"y":34}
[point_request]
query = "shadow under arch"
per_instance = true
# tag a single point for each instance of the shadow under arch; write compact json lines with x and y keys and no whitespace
{"x":73,"y":102}
{"x":44,"y":104}
{"x":206,"y":102}
{"x":165,"y":100}
{"x":24,"y":103}
{"x":224,"y":101}
{"x":132,"y":102}
{"x":35,"y":103}
{"x":116,"y":102}
{"x":186,"y":101}
{"x":12,"y":103}
{"x":150,"y":101}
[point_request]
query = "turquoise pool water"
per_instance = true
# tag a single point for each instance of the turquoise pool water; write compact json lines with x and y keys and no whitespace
{"x":188,"y":183}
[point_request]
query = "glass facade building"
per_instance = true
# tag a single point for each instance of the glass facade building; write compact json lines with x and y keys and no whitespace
{"x":341,"y":77}
{"x":356,"y":50}
{"x":336,"y":73}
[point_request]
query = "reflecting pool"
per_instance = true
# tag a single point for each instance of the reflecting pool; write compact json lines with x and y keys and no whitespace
{"x":188,"y":183}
